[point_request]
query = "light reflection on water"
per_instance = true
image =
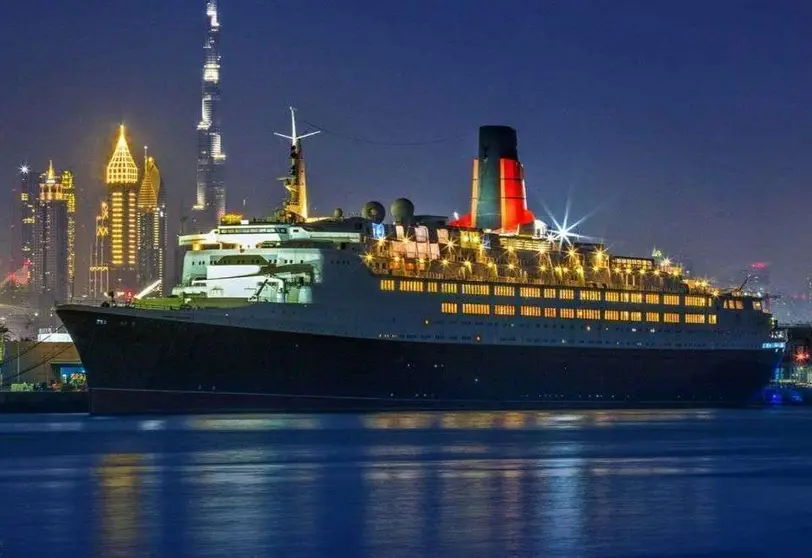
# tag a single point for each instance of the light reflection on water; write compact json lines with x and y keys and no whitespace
{"x":407,"y":484}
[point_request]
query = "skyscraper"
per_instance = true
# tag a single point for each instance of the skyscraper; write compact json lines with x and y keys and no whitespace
{"x":50,"y":274}
{"x":69,"y":192}
{"x":122,"y":195}
{"x":152,"y":227}
{"x":99,"y":276}
{"x":211,"y":192}
{"x":27,"y":194}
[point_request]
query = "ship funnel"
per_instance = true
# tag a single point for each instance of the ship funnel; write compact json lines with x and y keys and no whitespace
{"x":498,"y":198}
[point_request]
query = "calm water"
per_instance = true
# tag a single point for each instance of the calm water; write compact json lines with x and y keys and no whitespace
{"x":697,"y":483}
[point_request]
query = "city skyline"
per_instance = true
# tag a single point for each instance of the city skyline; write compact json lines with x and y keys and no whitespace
{"x":672,"y":156}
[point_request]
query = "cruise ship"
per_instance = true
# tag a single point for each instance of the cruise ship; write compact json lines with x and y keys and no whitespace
{"x":490,"y":310}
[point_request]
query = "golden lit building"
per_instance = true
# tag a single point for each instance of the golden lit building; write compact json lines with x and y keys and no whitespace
{"x":152,"y":228}
{"x":122,"y":193}
{"x":99,"y":272}
{"x":52,"y":249}
{"x":69,"y":191}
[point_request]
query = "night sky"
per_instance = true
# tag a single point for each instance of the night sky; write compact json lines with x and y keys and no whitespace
{"x":684,"y":125}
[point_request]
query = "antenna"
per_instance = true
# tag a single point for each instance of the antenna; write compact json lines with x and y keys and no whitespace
{"x":296,"y":180}
{"x":293,"y":137}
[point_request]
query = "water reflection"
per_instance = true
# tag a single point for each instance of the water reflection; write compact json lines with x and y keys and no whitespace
{"x":403,"y":484}
{"x":529,"y":420}
{"x":119,"y":482}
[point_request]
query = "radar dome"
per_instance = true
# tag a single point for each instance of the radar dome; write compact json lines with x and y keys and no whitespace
{"x":338,"y":213}
{"x":373,"y":211}
{"x":402,"y":210}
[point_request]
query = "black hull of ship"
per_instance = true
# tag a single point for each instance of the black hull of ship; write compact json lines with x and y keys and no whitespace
{"x":147,"y":365}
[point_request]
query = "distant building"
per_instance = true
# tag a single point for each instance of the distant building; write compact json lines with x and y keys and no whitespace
{"x":211,"y":159}
{"x":152,"y":228}
{"x":122,"y":195}
{"x":51,"y":280}
{"x":758,"y":279}
{"x":26,"y":195}
{"x":69,"y":192}
{"x":99,"y":272}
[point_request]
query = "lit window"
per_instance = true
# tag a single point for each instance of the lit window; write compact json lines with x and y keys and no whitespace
{"x":567,"y":313}
{"x":637,"y":298}
{"x":387,"y":284}
{"x":652,"y":316}
{"x":670,"y":317}
{"x":636,"y":316}
{"x":757,"y":305}
{"x":549,"y":293}
{"x":473,"y":289}
{"x":694,"y":318}
{"x":411,"y":286}
{"x":590,"y":295}
{"x":530,"y":292}
{"x":481,"y":309}
{"x":504,"y":310}
{"x":503,"y":290}
{"x":712,"y":319}
{"x":531,"y":311}
{"x":431,"y":287}
{"x":449,"y":308}
{"x":652,"y":298}
{"x":549,"y":312}
{"x":671,"y":300}
{"x":566,"y":294}
{"x":695,"y":301}
{"x":449,"y":288}
{"x":612,"y":297}
{"x":588,"y":314}
{"x":611,"y":315}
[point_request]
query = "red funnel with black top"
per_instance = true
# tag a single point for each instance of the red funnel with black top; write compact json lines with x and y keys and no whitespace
{"x":498,"y":199}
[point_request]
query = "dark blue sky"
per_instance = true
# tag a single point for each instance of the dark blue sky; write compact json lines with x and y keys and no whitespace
{"x":681,"y":124}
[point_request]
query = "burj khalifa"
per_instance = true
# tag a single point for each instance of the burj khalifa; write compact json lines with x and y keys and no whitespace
{"x":211,"y":159}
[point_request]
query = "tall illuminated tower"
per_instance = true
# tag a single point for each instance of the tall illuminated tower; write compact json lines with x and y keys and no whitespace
{"x":122,"y":194}
{"x":152,"y":228}
{"x":211,"y":191}
{"x":50,"y":271}
{"x":26,"y":196}
{"x":99,"y":272}
{"x":69,"y":192}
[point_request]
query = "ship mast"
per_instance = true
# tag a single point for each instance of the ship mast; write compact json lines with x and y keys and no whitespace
{"x":296,"y":180}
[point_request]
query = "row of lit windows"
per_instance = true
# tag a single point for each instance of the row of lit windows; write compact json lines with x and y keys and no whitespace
{"x":481,"y":309}
{"x":411,"y":286}
{"x":449,"y":307}
{"x":504,"y":310}
{"x":504,"y":290}
{"x":474,"y":289}
{"x":417,"y":286}
{"x":696,"y":301}
{"x":580,"y":313}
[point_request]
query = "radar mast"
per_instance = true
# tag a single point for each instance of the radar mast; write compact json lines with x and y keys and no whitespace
{"x":296,"y":180}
